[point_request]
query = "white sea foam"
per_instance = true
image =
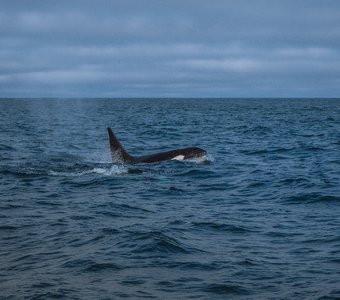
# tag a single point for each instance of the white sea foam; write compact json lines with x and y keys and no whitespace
{"x":113,"y":170}
{"x":108,"y":171}
{"x":209,"y":158}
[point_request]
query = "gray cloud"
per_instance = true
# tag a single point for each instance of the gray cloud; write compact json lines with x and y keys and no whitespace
{"x":179,"y":48}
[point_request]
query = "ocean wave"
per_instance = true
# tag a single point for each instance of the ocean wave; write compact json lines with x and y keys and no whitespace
{"x":158,"y":243}
{"x":312,"y":198}
{"x":197,"y":173}
{"x":335,"y":295}
{"x":8,"y":227}
{"x":89,"y":265}
{"x":298,"y":181}
{"x":98,"y":267}
{"x":4,"y":147}
{"x":219,"y":186}
{"x":224,"y":288}
{"x":278,"y":150}
{"x":198,"y":266}
{"x":60,"y":293}
{"x":22,"y":172}
{"x":220,"y":227}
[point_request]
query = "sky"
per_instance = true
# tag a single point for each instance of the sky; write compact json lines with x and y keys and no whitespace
{"x":174,"y":48}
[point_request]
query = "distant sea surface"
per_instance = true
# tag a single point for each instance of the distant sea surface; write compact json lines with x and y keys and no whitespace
{"x":259,"y":218}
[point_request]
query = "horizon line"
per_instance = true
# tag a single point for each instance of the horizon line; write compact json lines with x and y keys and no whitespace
{"x":166,"y":98}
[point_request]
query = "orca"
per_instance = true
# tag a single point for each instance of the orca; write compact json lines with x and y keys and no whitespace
{"x":119,"y":154}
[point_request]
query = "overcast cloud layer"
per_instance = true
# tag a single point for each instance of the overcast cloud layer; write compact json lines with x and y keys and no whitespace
{"x":175,"y":48}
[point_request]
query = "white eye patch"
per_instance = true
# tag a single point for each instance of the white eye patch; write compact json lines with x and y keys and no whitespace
{"x":178,"y":157}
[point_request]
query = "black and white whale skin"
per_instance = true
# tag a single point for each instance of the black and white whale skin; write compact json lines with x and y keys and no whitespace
{"x":119,"y":154}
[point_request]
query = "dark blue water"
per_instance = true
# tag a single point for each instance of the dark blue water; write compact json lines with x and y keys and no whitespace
{"x":258,"y":219}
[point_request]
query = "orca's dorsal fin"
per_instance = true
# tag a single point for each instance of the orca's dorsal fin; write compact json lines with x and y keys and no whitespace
{"x":118,"y":153}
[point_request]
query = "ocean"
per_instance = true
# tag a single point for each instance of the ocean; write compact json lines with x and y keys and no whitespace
{"x":258,"y":218}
